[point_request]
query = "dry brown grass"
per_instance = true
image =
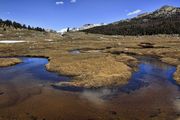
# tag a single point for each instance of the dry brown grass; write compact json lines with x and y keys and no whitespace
{"x":91,"y":70}
{"x":128,"y":60}
{"x":4,"y":62}
{"x":96,"y":57}
{"x":172,"y":61}
{"x":177,"y":74}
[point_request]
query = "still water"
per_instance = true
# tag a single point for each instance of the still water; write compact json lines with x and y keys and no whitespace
{"x":26,"y":93}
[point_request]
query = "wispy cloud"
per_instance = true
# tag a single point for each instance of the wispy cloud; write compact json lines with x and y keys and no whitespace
{"x":134,"y":12}
{"x":73,"y":1}
{"x":59,"y":3}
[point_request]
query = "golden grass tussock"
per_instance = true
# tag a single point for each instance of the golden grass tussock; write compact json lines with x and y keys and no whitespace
{"x":177,"y":74}
{"x":4,"y":62}
{"x":128,"y":60}
{"x":170,"y":60}
{"x":96,"y":71}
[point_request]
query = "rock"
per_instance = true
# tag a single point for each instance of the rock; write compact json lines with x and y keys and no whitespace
{"x":1,"y":93}
{"x":146,"y":45}
{"x":178,"y":97}
{"x":113,"y":112}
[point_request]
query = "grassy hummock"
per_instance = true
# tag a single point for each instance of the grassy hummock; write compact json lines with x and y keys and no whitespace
{"x":96,"y":71}
{"x":177,"y":74}
{"x":4,"y":62}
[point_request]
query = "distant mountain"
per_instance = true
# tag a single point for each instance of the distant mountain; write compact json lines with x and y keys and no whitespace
{"x":165,"y":20}
{"x":88,"y":26}
{"x":84,"y":27}
{"x":5,"y":24}
{"x":62,"y":31}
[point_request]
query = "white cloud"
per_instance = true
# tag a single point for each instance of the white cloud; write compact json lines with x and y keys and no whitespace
{"x":59,"y":3}
{"x":73,"y":1}
{"x":134,"y":12}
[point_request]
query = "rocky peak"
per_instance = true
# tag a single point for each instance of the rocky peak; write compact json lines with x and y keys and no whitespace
{"x":167,"y":8}
{"x":166,"y":11}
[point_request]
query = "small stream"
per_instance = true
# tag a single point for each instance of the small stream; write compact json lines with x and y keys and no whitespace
{"x":151,"y":71}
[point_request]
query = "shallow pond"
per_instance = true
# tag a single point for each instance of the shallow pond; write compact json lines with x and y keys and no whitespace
{"x":30,"y":68}
{"x":26,"y":93}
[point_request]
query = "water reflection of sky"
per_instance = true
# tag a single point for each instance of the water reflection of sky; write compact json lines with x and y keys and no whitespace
{"x":150,"y":71}
{"x":30,"y":68}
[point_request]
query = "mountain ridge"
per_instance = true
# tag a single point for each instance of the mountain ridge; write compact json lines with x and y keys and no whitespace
{"x":165,"y":20}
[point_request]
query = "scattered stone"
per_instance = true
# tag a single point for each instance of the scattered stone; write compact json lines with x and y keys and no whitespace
{"x":49,"y":40}
{"x":33,"y":118}
{"x":90,"y":119}
{"x":126,"y":49}
{"x":113,"y":112}
{"x":153,"y":115}
{"x":178,"y":114}
{"x":178,"y":97}
{"x":75,"y":52}
{"x":146,"y":45}
{"x":108,"y":47}
{"x":11,"y":41}
{"x":1,"y":93}
{"x":119,"y":44}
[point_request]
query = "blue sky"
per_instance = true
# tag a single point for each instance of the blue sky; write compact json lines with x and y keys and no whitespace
{"x":57,"y":14}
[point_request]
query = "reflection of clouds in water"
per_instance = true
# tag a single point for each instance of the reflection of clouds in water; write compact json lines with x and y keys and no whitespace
{"x":177,"y":105}
{"x":96,"y":96}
